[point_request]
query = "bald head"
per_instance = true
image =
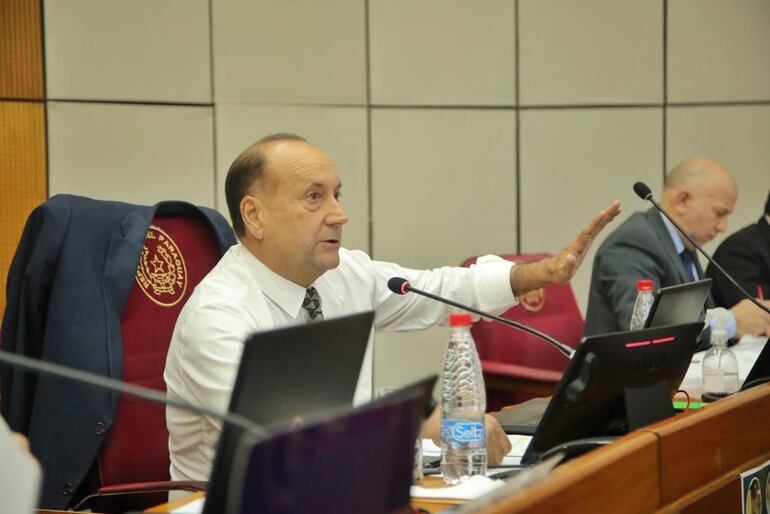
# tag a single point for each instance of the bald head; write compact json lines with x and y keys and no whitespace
{"x":700,"y":194}
{"x":695,"y":170}
{"x":246,"y":171}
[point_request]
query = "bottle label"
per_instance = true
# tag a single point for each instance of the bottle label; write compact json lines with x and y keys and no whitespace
{"x":462,"y":433}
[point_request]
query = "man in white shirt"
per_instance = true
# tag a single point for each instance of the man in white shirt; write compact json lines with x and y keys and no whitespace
{"x":289,"y":268}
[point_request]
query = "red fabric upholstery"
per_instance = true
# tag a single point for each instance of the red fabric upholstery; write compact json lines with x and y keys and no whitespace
{"x":178,"y":253}
{"x":506,"y":352}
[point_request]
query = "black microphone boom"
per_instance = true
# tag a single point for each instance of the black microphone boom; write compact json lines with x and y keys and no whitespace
{"x":402,"y":286}
{"x":643,"y":191}
{"x":85,"y":377}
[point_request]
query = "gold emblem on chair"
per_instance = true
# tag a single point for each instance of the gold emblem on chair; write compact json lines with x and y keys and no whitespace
{"x":533,"y":301}
{"x":161,"y":274}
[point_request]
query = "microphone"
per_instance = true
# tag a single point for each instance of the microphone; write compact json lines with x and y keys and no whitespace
{"x":402,"y":286}
{"x":643,"y":191}
{"x":85,"y":377}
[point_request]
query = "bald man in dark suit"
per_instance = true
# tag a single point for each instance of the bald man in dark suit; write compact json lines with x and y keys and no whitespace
{"x":699,"y":194}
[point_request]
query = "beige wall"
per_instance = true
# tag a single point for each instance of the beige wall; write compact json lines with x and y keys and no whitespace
{"x":459,"y":127}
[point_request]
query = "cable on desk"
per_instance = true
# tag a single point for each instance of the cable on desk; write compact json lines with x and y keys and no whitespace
{"x":687,"y":395}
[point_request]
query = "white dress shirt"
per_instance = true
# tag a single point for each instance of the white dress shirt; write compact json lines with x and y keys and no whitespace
{"x":241,"y":296}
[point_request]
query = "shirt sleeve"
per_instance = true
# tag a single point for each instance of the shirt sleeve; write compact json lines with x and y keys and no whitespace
{"x":485,"y":286}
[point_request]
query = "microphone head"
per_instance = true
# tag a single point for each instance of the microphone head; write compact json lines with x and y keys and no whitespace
{"x":642,"y":191}
{"x":399,"y":285}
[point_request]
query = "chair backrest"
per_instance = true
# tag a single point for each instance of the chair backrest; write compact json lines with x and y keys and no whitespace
{"x":552,"y":310}
{"x":178,"y":252}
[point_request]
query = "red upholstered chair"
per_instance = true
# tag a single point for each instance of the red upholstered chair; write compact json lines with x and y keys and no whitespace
{"x":518,"y":366}
{"x":133,"y":464}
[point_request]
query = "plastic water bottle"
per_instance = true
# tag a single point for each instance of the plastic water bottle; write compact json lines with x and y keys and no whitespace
{"x":720,"y":366}
{"x":642,"y":304}
{"x":463,"y":402}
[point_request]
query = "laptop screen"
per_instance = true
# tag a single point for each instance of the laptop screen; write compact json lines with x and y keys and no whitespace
{"x":350,"y":461}
{"x":288,"y":374}
{"x":682,"y":303}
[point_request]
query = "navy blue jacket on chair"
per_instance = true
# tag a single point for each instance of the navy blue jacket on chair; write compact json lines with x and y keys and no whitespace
{"x":66,"y":292}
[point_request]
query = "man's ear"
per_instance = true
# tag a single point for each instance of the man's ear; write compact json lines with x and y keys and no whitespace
{"x":681,"y":201}
{"x":251,"y":212}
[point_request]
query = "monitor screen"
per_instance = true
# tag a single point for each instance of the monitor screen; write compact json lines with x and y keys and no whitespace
{"x":760,"y":371}
{"x":349,"y":461}
{"x":288,"y":374}
{"x":606,"y":370}
{"x":682,"y":303}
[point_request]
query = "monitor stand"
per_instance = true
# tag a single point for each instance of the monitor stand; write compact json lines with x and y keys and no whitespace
{"x":648,"y":405}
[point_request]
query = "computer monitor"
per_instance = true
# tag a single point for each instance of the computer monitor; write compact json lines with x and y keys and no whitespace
{"x":288,"y":374}
{"x":675,"y":305}
{"x":615,"y":383}
{"x":347,"y":462}
{"x":760,"y":371}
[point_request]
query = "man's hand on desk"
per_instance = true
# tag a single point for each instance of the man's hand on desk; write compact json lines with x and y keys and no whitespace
{"x":498,"y":444}
{"x":751,"y":319}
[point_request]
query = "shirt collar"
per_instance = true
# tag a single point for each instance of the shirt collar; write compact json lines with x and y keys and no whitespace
{"x":283,"y":292}
{"x":674,"y":233}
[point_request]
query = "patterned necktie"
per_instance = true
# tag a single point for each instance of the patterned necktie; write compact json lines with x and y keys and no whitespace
{"x":312,"y":304}
{"x":688,"y":260}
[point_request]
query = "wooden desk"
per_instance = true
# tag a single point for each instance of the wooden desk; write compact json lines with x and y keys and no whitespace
{"x":687,"y":464}
{"x":703,"y":453}
{"x":432,"y":506}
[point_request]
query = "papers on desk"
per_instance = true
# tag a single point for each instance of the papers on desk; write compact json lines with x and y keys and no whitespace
{"x":471,"y":489}
{"x":475,"y":486}
{"x":746,"y":351}
{"x":519,"y":444}
{"x":194,"y":507}
{"x":19,"y":475}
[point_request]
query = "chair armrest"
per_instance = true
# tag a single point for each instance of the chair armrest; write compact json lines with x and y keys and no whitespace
{"x":524,"y":372}
{"x":135,"y":496}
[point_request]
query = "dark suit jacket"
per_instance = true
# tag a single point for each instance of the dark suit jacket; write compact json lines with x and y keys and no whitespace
{"x":67,"y":287}
{"x":640,"y":248}
{"x":746,"y":256}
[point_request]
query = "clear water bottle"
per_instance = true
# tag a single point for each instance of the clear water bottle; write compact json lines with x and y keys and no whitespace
{"x":642,"y":304}
{"x":720,"y":366}
{"x":463,"y":402}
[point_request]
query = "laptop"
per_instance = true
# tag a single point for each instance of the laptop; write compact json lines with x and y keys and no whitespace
{"x":682,"y":303}
{"x":347,"y":461}
{"x":529,"y":418}
{"x":760,"y":371}
{"x":289,"y":374}
{"x":673,"y":305}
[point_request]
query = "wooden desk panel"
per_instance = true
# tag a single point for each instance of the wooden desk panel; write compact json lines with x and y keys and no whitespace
{"x":619,"y":478}
{"x":720,"y":496}
{"x":703,"y":446}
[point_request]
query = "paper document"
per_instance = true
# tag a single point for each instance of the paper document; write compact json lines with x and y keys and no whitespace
{"x":19,"y":475}
{"x":194,"y":507}
{"x":472,"y":488}
{"x":746,"y":351}
{"x":519,"y":445}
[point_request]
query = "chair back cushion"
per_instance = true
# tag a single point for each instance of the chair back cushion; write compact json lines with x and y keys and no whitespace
{"x":178,"y":252}
{"x":552,"y":310}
